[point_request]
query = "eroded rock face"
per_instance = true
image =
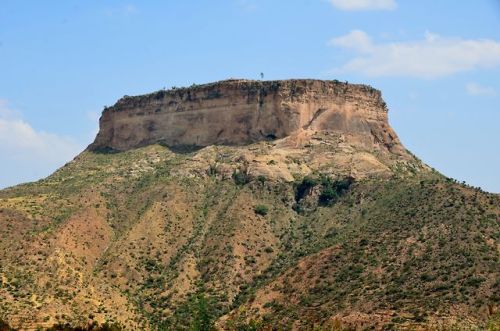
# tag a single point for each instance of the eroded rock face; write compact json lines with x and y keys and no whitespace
{"x":239,"y":112}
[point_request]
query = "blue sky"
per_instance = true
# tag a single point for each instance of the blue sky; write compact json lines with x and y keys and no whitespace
{"x":436,"y":62}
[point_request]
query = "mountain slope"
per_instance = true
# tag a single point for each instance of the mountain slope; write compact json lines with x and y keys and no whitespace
{"x":327,"y":227}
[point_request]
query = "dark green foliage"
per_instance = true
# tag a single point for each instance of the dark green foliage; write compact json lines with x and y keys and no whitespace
{"x":268,"y":250}
{"x":332,"y":189}
{"x":151,"y":265}
{"x":160,"y":95}
{"x":274,"y":86}
{"x":202,"y":319}
{"x":241,"y":177}
{"x":302,"y":188}
{"x":214,"y":94}
{"x":474,"y":281}
{"x":426,"y":277}
{"x":197,"y":313}
{"x":261,"y":210}
{"x":327,"y":196}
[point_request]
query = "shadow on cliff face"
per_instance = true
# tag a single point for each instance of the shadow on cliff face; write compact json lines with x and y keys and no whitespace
{"x":178,"y":149}
{"x":92,"y":327}
{"x":321,"y":191}
{"x":103,"y":150}
{"x":183,"y":149}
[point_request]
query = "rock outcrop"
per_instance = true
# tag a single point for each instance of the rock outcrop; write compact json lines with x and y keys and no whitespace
{"x":240,"y":112}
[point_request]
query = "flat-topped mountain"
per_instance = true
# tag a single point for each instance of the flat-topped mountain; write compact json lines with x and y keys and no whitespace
{"x":249,"y":205}
{"x":240,"y":112}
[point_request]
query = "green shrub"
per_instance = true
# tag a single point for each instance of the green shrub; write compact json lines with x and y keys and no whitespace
{"x":241,"y":178}
{"x":262,"y":179}
{"x":261,"y":210}
{"x":331,"y":189}
{"x":328,"y":194}
{"x":303,"y":187}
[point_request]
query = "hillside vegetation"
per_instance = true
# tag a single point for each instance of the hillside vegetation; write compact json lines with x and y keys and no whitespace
{"x":152,"y":239}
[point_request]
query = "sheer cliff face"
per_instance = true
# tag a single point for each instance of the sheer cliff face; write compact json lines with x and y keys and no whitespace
{"x":239,"y":112}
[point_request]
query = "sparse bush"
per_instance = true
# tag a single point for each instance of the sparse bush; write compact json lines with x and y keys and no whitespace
{"x":261,"y":210}
{"x":241,"y":178}
{"x":261,"y":179}
{"x":268,"y":250}
{"x":328,"y":194}
{"x":333,"y":189}
{"x":303,"y":187}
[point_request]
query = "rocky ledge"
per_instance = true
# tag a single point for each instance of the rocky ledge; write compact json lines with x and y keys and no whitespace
{"x":240,"y":112}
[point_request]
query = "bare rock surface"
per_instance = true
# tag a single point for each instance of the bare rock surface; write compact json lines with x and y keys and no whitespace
{"x":241,"y":112}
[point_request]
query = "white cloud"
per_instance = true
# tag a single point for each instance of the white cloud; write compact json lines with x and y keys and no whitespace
{"x":356,"y":39}
{"x":364,"y":4}
{"x":434,"y":56}
{"x":479,"y":90}
{"x":28,"y":154}
{"x":6,"y":112}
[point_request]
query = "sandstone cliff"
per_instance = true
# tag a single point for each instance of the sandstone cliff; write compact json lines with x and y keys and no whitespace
{"x":240,"y":112}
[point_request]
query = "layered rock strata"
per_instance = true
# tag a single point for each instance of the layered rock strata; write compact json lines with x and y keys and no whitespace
{"x":240,"y":112}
